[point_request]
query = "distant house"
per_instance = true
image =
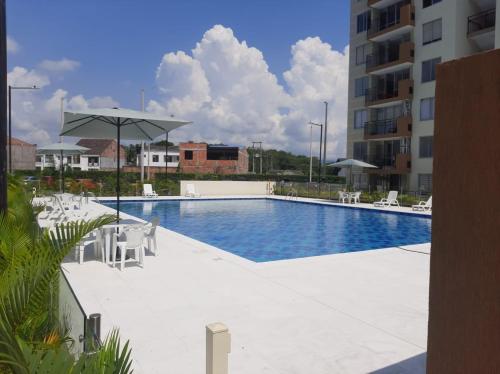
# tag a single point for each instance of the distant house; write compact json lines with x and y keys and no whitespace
{"x":23,"y":155}
{"x":206,"y":158}
{"x":100,"y":156}
{"x":154,"y":156}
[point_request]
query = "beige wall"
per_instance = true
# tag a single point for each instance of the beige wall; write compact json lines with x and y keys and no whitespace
{"x":211,"y":188}
{"x":23,"y":157}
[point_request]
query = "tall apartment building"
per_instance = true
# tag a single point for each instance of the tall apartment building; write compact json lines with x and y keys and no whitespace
{"x":395,"y":46}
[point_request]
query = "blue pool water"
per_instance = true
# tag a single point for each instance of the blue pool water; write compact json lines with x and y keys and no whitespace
{"x":267,"y":230}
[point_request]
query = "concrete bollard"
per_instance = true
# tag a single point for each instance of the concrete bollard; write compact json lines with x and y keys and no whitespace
{"x":218,"y":348}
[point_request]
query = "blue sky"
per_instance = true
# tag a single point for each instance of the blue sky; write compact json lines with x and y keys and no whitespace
{"x":120,"y":44}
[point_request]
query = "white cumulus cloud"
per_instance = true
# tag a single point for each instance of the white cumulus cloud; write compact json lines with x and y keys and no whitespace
{"x":64,"y":64}
{"x":226,"y":88}
{"x":36,"y":113}
{"x":12,"y":45}
{"x":224,"y":85}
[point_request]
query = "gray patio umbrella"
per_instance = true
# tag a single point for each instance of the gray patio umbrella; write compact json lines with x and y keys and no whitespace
{"x":63,"y":149}
{"x":120,"y":124}
{"x":350,"y":163}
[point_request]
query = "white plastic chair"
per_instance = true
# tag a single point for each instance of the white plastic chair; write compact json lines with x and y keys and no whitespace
{"x":150,"y":235}
{"x":95,"y":238}
{"x":191,"y":191}
{"x":423,"y":205}
{"x":355,"y":197}
{"x":134,"y":241}
{"x":343,"y":196}
{"x":148,"y":191}
{"x":392,"y":199}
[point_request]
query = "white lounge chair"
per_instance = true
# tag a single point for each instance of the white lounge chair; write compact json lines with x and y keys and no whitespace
{"x":191,"y":191}
{"x":70,"y":213}
{"x":423,"y":205}
{"x":392,"y":199}
{"x":148,"y":191}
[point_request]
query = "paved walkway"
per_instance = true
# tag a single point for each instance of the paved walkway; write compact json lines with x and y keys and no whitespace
{"x":343,"y":313}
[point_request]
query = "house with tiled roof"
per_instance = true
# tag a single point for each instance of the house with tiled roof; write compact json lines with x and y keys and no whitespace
{"x":100,"y":156}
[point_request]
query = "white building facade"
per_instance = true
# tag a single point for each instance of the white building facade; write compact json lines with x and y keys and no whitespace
{"x":80,"y":162}
{"x":155,"y":156}
{"x":395,"y":46}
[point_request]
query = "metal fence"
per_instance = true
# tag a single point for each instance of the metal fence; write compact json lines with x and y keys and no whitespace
{"x":329,"y":191}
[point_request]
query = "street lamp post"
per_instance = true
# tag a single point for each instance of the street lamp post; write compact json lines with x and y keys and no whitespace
{"x":320,"y":148}
{"x":3,"y":107}
{"x":10,"y":118}
{"x":326,"y":133}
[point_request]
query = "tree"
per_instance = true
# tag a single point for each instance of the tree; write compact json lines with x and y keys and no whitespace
{"x":32,"y":340}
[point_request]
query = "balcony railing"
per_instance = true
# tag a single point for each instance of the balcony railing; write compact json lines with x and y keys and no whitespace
{"x":385,"y":22}
{"x":397,"y":162}
{"x":481,"y":21}
{"x":381,"y":127}
{"x":401,"y":90}
{"x":393,"y":54}
{"x":391,"y":128}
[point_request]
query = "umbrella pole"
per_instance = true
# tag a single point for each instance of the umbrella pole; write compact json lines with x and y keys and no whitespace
{"x":166,"y":160}
{"x":350,"y":178}
{"x":118,"y":171}
{"x":62,"y":173}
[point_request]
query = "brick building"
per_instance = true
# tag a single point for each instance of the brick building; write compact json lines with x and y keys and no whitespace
{"x":206,"y":158}
{"x":23,"y":155}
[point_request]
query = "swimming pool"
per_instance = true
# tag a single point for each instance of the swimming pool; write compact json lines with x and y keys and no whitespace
{"x":267,"y":230}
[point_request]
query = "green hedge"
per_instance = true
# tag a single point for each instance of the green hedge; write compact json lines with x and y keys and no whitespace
{"x":130,"y":182}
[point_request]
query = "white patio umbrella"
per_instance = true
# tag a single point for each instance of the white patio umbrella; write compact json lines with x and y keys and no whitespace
{"x":351,"y":163}
{"x":120,"y":124}
{"x":63,"y":149}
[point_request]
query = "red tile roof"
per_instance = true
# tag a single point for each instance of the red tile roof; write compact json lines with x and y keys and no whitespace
{"x":97,"y":146}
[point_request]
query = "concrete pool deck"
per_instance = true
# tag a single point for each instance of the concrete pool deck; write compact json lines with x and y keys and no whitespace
{"x":357,"y":312}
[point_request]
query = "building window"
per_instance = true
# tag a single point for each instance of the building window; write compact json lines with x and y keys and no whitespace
{"x":360,"y":87}
{"x":425,"y":182}
{"x":427,"y":109}
{"x":428,"y":3}
{"x":156,"y":158}
{"x":361,"y":53}
{"x":188,"y":155}
{"x":432,"y":31}
{"x":425,"y":147}
{"x":363,"y":22}
{"x":222,"y":153}
{"x":360,"y":151}
{"x":360,"y":118}
{"x":76,"y":159}
{"x":93,"y":161}
{"x":429,"y":69}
